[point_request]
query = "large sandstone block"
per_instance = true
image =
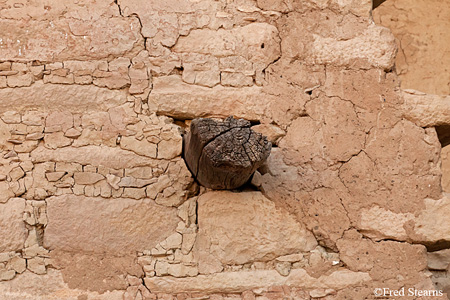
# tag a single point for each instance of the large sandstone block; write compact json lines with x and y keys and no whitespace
{"x":66,"y":39}
{"x":236,"y":228}
{"x":93,"y":155}
{"x":78,"y":223}
{"x":422,"y":36}
{"x":375,"y":48}
{"x":171,"y":96}
{"x":426,"y":110}
{"x":433,"y":223}
{"x":322,"y":38}
{"x":238,"y":282}
{"x":30,"y":286}
{"x":40,"y":9}
{"x":257,"y":42}
{"x":12,"y":227}
{"x":73,"y":98}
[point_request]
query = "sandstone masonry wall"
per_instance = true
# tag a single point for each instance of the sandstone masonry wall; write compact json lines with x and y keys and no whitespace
{"x":97,"y":203}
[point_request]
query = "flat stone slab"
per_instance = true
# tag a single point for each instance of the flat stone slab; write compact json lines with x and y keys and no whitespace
{"x":12,"y":227}
{"x":236,"y":228}
{"x":238,"y":282}
{"x":95,"y":224}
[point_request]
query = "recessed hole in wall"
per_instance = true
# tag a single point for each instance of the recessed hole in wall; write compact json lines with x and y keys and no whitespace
{"x":376,"y":3}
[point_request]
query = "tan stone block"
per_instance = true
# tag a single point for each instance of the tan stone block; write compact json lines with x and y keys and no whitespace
{"x":134,"y":193}
{"x":225,"y":234}
{"x":87,"y":177}
{"x":56,"y":140}
{"x":170,"y":96}
{"x":139,"y":147}
{"x":5,"y":66}
{"x":169,"y":149}
{"x":35,"y":136}
{"x":138,"y":74}
{"x":60,"y":97}
{"x":70,"y":38}
{"x":19,"y":80}
{"x":426,"y":110}
{"x":435,"y":212}
{"x":37,"y":71}
{"x":50,"y":286}
{"x":85,"y":79}
{"x":57,"y":79}
{"x":138,"y":86}
{"x":3,"y":82}
{"x":272,"y":132}
{"x":59,"y":121}
{"x":172,"y":242}
{"x":6,"y":275}
{"x":16,"y":173}
{"x":18,"y":264}
{"x":93,"y":155}
{"x":140,"y":172}
{"x":11,"y":117}
{"x":238,"y":282}
{"x":236,"y":64}
{"x":439,"y":260}
{"x":123,"y":225}
{"x":120,"y":64}
{"x":291,"y":257}
{"x":34,"y":118}
{"x":72,"y":133}
{"x":54,"y":176}
{"x":375,"y":45}
{"x":135,"y":182}
{"x":12,"y":227}
{"x":81,"y":68}
{"x":257,"y":42}
{"x":235,"y":79}
{"x":8,"y":73}
{"x":115,"y":80}
{"x":26,"y":146}
{"x":36,"y":265}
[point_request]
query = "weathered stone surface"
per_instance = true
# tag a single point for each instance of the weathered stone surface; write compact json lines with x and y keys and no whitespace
{"x":439,"y":260}
{"x":12,"y":227}
{"x":422,"y":40}
{"x":142,"y":147}
{"x":93,"y":155}
{"x":121,"y":225}
{"x":172,"y":97}
{"x":236,"y":228}
{"x":29,"y":286}
{"x":238,"y":282}
{"x":435,"y":212}
{"x":426,"y":110}
{"x":74,"y":98}
{"x":358,"y":162}
{"x":70,"y":38}
{"x":376,"y":45}
{"x":40,"y":11}
{"x":257,"y":42}
{"x":379,"y":223}
{"x":323,"y":39}
{"x":87,"y":271}
{"x":87,"y":177}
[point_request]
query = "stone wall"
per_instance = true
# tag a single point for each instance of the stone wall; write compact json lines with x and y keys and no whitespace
{"x":422,"y":64}
{"x":97,"y":203}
